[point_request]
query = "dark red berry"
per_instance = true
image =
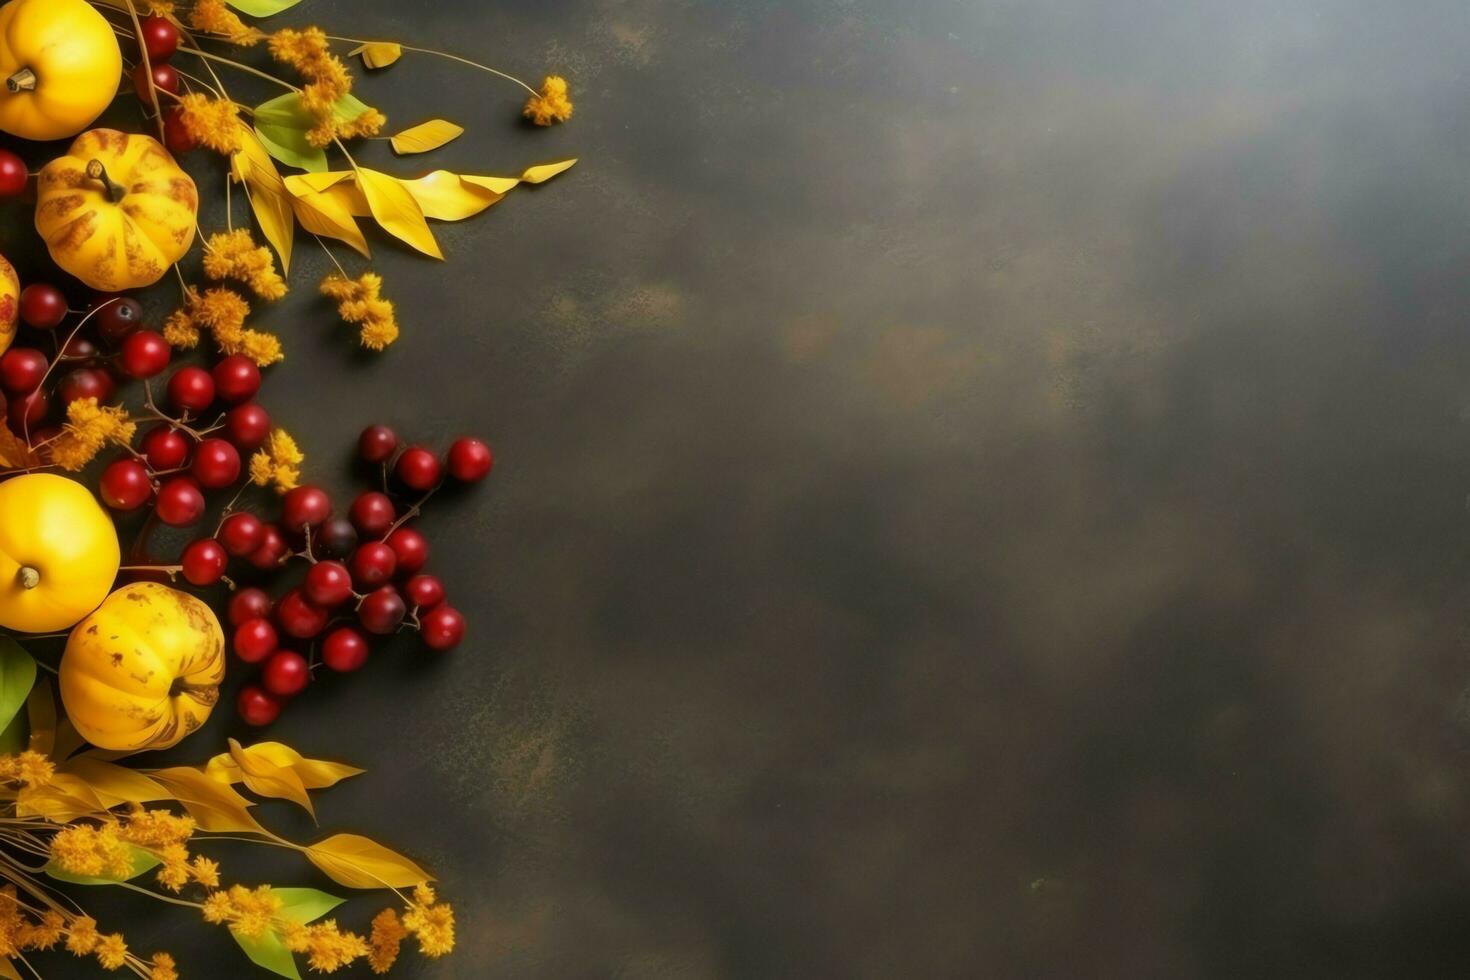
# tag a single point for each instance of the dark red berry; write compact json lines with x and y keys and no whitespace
{"x":165,"y":78}
{"x":191,"y":389}
{"x":26,"y":412}
{"x":167,"y":448}
{"x":87,"y":383}
{"x":305,"y":507}
{"x":204,"y":562}
{"x":42,"y":306}
{"x":236,"y":379}
{"x":273,"y":548}
{"x":469,"y":460}
{"x":336,"y":538}
{"x":441,"y":627}
{"x":21,"y":370}
{"x":373,"y":564}
{"x":328,"y":583}
{"x":255,"y":639}
{"x":241,"y":534}
{"x":118,"y":316}
{"x":144,"y":354}
{"x":13,"y":174}
{"x":248,"y":604}
{"x":216,"y":464}
{"x":256,"y":707}
{"x":412,"y":549}
{"x":248,"y":426}
{"x":125,"y":485}
{"x":79,"y":349}
{"x":298,"y":616}
{"x":285,"y":674}
{"x":180,"y":503}
{"x":345,"y":649}
{"x":373,"y":513}
{"x":382,"y":611}
{"x":377,"y":443}
{"x":176,"y":135}
{"x":160,"y":37}
{"x":424,"y":591}
{"x":418,"y":469}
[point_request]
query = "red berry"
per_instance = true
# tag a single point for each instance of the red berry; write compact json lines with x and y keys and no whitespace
{"x":204,"y":562}
{"x":21,"y":370}
{"x":255,"y":639}
{"x":373,"y":513}
{"x":336,"y":538}
{"x":417,"y":468}
{"x":176,"y":135}
{"x":299,"y":616}
{"x":144,"y":354}
{"x":241,"y":534}
{"x":167,"y":448}
{"x":236,"y":379}
{"x":345,"y":649}
{"x":328,"y":583}
{"x":27,"y":412}
{"x":191,"y":390}
{"x":412,"y":549}
{"x":87,"y":383}
{"x":165,"y":78}
{"x":248,"y":426}
{"x":373,"y":564}
{"x":424,"y":591}
{"x":160,"y":37}
{"x":376,"y":443}
{"x":272,"y":550}
{"x":248,"y":604}
{"x":305,"y":507}
{"x":216,"y":464}
{"x":285,"y":674}
{"x":469,"y":460}
{"x":118,"y":316}
{"x":42,"y":306}
{"x":441,"y":627}
{"x":13,"y":174}
{"x":256,"y":707}
{"x":125,"y":485}
{"x":180,"y":503}
{"x":382,"y":611}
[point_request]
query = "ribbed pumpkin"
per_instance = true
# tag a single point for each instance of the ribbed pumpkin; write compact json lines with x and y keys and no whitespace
{"x":61,"y":65}
{"x":117,"y":210}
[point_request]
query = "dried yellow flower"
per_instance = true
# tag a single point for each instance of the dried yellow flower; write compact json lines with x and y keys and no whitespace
{"x":213,"y":17}
{"x":249,"y":911}
{"x":174,"y":874}
{"x":112,"y":952}
{"x":327,"y":947}
{"x":163,"y":967}
{"x":156,"y":828}
{"x":81,"y":935}
{"x":95,"y":852}
{"x":205,"y":872}
{"x":387,"y":935}
{"x":88,"y":428}
{"x":214,"y":123}
{"x":434,"y":927}
{"x":278,"y":463}
{"x":360,"y":301}
{"x":327,"y":81}
{"x":551,"y":105}
{"x":29,"y":768}
{"x":235,"y":255}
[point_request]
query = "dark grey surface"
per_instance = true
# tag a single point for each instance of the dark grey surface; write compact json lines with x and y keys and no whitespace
{"x":981,"y":493}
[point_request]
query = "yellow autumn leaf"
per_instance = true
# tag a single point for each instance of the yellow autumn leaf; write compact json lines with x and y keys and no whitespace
{"x":14,"y":453}
{"x":444,"y":196}
{"x":495,"y":185}
{"x":318,"y":182}
{"x":115,"y":784}
{"x":41,"y":714}
{"x":64,"y":799}
{"x":378,"y":54}
{"x":357,"y":862}
{"x":7,"y":969}
{"x":325,"y":213}
{"x":264,"y":777}
{"x":214,"y":805}
{"x":68,"y":739}
{"x":396,"y":211}
{"x":546,"y":171}
{"x":426,"y":136}
{"x":314,"y":773}
{"x":253,"y":167}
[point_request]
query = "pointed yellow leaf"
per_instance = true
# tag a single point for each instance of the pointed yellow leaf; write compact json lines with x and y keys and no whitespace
{"x":115,"y":784}
{"x":64,"y":799}
{"x":546,"y":171}
{"x":378,"y":54}
{"x":8,"y":970}
{"x":426,"y":136}
{"x":214,"y":805}
{"x":14,"y":453}
{"x":325,"y":213}
{"x":253,"y":167}
{"x":396,"y":211}
{"x":265,"y":778}
{"x":495,"y":185}
{"x":319,"y":182}
{"x":444,"y":196}
{"x":41,"y":714}
{"x":357,"y":862}
{"x":314,"y":773}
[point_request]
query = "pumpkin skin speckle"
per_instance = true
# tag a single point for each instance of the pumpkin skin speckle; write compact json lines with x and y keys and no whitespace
{"x":9,"y":303}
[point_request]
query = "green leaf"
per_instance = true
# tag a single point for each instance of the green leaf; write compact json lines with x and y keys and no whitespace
{"x":349,"y":107}
{"x":281,"y":125}
{"x":16,"y":735}
{"x":268,"y":953}
{"x":262,"y":8}
{"x":142,"y":862}
{"x":17,"y":674}
{"x":305,"y":904}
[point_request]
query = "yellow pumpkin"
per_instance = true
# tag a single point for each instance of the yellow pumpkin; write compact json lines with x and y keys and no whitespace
{"x":116,"y":211}
{"x":61,"y":66}
{"x":143,"y":670}
{"x":58,"y":553}
{"x":9,"y":303}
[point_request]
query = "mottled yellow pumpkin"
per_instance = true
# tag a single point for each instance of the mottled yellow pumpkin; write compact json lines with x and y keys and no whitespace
{"x":9,"y":303}
{"x":61,"y":66}
{"x":143,"y":670}
{"x":116,"y":211}
{"x":58,"y":553}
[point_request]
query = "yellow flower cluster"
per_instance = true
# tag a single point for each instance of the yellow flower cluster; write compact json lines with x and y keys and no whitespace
{"x":213,"y":17}
{"x":360,"y":301}
{"x":94,"y":852}
{"x":234,"y":255}
{"x":89,"y":427}
{"x":551,"y":105}
{"x":248,"y":911}
{"x":431,"y":921}
{"x":327,"y":947}
{"x":214,"y":123}
{"x":29,"y":769}
{"x":327,"y":81}
{"x":387,"y":935}
{"x":223,"y":313}
{"x":83,"y":938}
{"x":20,"y":932}
{"x":156,"y":828}
{"x":278,"y":463}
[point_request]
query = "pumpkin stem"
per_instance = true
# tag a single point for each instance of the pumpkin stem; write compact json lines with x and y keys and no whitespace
{"x":22,"y":81}
{"x":115,"y":191}
{"x":29,"y":577}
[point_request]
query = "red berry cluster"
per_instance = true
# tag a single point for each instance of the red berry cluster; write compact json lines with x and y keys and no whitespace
{"x":365,"y":574}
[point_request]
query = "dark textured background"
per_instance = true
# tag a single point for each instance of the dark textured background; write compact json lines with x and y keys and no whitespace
{"x":981,"y":493}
